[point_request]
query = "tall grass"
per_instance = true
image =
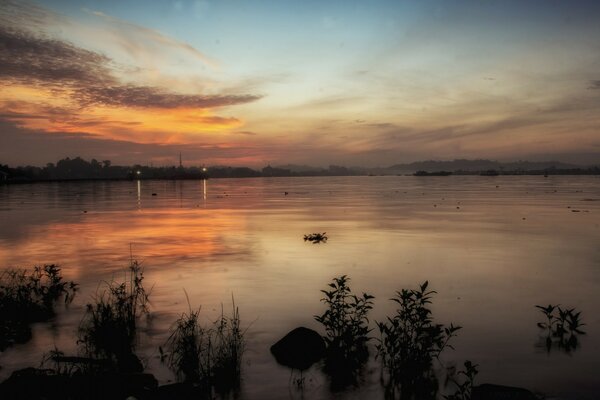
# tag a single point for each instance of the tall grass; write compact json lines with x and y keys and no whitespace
{"x":185,"y":348}
{"x":210,"y":355}
{"x":27,"y":297}
{"x":226,"y":339}
{"x":109,"y":327}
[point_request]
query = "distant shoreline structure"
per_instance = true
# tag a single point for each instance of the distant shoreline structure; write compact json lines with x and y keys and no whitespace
{"x":79,"y":170}
{"x":483,"y":174}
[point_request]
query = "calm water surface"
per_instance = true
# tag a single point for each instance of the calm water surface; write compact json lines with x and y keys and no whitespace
{"x":492,"y":247}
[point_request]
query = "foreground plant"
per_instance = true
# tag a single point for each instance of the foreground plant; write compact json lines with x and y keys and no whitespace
{"x":410,"y":342}
{"x":186,"y":346}
{"x":346,"y":326}
{"x":27,"y":297}
{"x":108,"y":329}
{"x":464,"y":386}
{"x":212,"y":355}
{"x":562,"y":327}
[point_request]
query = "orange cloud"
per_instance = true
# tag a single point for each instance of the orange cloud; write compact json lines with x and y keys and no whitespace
{"x":146,"y":125}
{"x":50,"y":85}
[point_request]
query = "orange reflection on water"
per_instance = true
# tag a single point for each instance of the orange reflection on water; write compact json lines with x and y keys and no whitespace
{"x":162,"y":235}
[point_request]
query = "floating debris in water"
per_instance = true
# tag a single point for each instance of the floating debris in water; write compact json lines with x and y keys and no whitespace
{"x":316,"y":237}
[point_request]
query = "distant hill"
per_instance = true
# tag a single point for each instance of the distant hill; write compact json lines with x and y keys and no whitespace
{"x":306,"y":170}
{"x":300,"y":168}
{"x":476,"y":165}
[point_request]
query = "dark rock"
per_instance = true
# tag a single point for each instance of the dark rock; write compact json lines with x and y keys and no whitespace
{"x":299,"y":349}
{"x":497,"y":392}
{"x":185,"y":390}
{"x":32,"y":383}
{"x":130,"y":363}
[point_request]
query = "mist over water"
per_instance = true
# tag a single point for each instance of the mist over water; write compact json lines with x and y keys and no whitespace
{"x":492,"y":247}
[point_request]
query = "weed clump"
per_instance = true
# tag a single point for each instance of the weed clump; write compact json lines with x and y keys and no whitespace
{"x":316,"y":238}
{"x":409,"y":343}
{"x":207,"y":355}
{"x":109,"y":326}
{"x":464,"y":382}
{"x":561,"y":328}
{"x":347,"y":330}
{"x":186,"y":348}
{"x":27,"y":297}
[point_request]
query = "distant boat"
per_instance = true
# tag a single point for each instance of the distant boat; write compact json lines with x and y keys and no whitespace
{"x":490,"y":172}
{"x":436,"y":173}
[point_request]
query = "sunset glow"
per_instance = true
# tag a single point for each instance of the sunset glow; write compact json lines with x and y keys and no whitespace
{"x":316,"y":83}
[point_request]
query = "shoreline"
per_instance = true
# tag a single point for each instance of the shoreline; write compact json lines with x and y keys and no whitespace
{"x":428,"y":175}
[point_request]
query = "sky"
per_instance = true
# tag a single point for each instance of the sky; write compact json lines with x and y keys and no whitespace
{"x":354,"y":83}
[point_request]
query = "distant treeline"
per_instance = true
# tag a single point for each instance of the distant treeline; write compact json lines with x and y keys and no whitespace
{"x":80,"y":169}
{"x":268,"y":171}
{"x":493,"y":172}
{"x":550,"y":171}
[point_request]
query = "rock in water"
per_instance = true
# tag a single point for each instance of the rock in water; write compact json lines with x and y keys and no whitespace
{"x":299,"y":349}
{"x":497,"y":392}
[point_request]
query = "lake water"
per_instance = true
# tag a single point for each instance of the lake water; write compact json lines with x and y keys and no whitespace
{"x":492,"y":247}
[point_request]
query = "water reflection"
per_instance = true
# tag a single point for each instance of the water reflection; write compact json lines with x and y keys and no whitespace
{"x":139,"y":194}
{"x":491,"y":260}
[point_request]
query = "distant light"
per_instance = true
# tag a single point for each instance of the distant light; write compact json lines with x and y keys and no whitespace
{"x":203,"y":169}
{"x":139,"y":172}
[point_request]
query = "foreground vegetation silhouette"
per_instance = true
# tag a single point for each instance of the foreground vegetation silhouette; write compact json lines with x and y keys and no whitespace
{"x":346,"y":325}
{"x":207,"y":357}
{"x":410,"y":342}
{"x":463,"y":381}
{"x":107,"y":365}
{"x":108,"y":330}
{"x":561,"y":329}
{"x":28,"y":297}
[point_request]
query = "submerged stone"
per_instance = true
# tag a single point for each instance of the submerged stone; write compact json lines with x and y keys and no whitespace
{"x":299,"y":349}
{"x":34,"y":383}
{"x":498,"y":392}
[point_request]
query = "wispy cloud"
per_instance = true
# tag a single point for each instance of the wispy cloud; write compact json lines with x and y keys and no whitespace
{"x":595,"y":84}
{"x":143,"y":96}
{"x":25,"y":58}
{"x":139,"y":39}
